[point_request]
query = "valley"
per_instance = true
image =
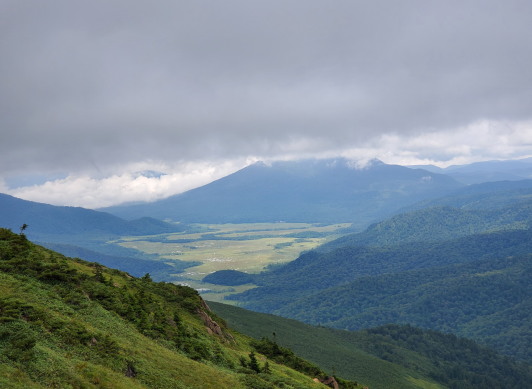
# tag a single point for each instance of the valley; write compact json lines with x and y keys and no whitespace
{"x":246,"y":247}
{"x":393,"y":281}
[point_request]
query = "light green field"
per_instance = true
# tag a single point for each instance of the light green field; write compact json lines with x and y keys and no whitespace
{"x":245,"y":247}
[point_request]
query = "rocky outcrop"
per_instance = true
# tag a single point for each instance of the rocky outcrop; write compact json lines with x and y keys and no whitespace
{"x":213,"y":328}
{"x":329,"y":381}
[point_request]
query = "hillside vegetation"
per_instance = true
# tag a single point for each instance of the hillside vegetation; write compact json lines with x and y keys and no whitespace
{"x":463,"y":271}
{"x":390,"y":356}
{"x":69,"y":323}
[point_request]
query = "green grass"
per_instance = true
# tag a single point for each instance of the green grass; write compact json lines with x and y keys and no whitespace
{"x":247,"y":247}
{"x":399,"y":357}
{"x":66,"y":323}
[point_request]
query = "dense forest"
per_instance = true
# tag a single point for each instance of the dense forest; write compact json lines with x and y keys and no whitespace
{"x":390,"y":356}
{"x":463,"y":271}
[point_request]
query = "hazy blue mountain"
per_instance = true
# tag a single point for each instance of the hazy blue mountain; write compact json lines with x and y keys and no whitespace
{"x":330,"y":190}
{"x":86,"y":233}
{"x":486,"y":171}
{"x":46,"y":220}
{"x":137,"y":267}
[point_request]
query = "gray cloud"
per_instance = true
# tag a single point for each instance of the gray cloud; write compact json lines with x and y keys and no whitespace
{"x":85,"y":85}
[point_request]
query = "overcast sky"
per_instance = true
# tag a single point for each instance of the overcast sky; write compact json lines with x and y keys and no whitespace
{"x":98,"y":98}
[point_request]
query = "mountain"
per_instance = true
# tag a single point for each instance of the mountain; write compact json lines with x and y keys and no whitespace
{"x":68,"y":323}
{"x":137,"y":267}
{"x":86,"y":234}
{"x":462,"y":214}
{"x":391,"y":356}
{"x":48,"y":220}
{"x":479,"y":172}
{"x":332,"y":190}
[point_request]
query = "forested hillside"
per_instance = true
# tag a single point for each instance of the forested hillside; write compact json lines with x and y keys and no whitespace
{"x":391,"y":356}
{"x":465,"y":271}
{"x":69,"y":323}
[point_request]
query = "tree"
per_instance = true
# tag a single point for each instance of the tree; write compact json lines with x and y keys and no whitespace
{"x":253,"y":364}
{"x":23,"y":228}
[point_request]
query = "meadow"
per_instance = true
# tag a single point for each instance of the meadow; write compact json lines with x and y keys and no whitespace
{"x":249,"y":248}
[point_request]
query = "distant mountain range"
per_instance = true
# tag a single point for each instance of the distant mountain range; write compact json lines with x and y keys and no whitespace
{"x":331,"y":190}
{"x":478,"y":172}
{"x":85,"y":233}
{"x":44,"y":220}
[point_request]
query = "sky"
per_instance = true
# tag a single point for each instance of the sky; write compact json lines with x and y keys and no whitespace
{"x":104,"y":102}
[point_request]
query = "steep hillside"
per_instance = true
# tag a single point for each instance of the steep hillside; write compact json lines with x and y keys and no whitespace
{"x":391,"y":356}
{"x":302,"y":191}
{"x":314,"y":271}
{"x":468,"y":285}
{"x":489,"y":301}
{"x":68,"y":323}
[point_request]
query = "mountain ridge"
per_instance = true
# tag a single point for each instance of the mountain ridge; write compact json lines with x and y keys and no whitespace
{"x":299,"y":191}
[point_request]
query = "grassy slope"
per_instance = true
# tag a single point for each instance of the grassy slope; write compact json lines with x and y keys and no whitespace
{"x":323,"y":346}
{"x":69,"y":323}
{"x":386,"y":357}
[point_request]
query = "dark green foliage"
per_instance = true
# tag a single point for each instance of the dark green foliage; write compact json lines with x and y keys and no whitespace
{"x":12,"y":309}
{"x":464,"y":285}
{"x":228,"y":277}
{"x":438,"y":224}
{"x":487,"y":300}
{"x":459,"y":364}
{"x":17,"y":341}
{"x":402,"y":352}
{"x":286,"y":357}
{"x":314,"y":271}
{"x":154,"y":308}
{"x":253,"y":364}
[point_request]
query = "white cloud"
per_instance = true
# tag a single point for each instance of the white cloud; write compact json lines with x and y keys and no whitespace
{"x":96,"y":192}
{"x":95,"y":91}
{"x":480,"y":141}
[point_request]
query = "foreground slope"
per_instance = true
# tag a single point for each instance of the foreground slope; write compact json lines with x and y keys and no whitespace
{"x":69,"y":323}
{"x":332,"y":190}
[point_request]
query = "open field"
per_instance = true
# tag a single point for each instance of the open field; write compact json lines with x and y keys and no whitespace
{"x":245,"y":247}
